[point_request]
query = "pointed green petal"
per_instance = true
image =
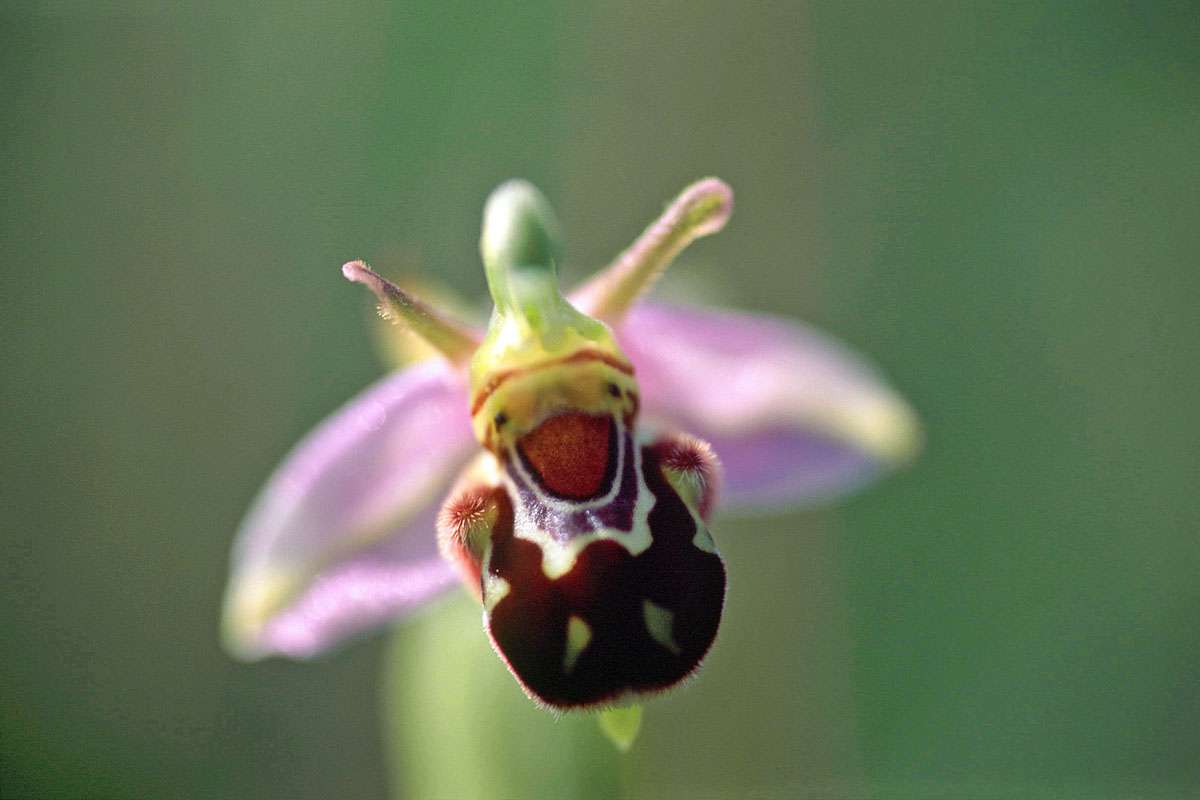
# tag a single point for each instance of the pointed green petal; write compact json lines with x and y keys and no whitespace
{"x":621,"y":725}
{"x":451,"y":338}
{"x":700,"y":209}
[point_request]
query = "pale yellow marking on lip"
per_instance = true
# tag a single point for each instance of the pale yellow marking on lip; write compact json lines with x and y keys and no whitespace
{"x":703,"y":539}
{"x":495,"y":589}
{"x":579,"y":634}
{"x":658,"y":623}
{"x":558,"y":560}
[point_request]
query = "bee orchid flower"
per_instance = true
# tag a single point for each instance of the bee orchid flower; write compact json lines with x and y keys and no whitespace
{"x":563,"y":465}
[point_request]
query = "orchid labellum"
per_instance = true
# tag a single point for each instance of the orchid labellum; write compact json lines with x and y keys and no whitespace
{"x":576,"y":447}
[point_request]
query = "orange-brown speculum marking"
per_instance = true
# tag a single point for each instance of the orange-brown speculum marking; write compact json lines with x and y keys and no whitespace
{"x":571,"y":453}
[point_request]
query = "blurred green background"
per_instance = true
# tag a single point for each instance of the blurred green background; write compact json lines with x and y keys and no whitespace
{"x":999,"y":202}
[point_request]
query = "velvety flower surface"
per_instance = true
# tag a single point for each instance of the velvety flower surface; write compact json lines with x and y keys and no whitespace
{"x":342,"y":538}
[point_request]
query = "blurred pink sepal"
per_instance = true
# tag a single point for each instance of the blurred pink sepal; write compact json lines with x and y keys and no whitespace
{"x":341,"y":540}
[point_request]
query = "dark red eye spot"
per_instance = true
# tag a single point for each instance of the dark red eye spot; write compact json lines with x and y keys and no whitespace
{"x":571,"y":454}
{"x":614,"y":390}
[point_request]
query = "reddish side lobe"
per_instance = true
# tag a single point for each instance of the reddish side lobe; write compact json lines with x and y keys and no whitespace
{"x":607,"y":588}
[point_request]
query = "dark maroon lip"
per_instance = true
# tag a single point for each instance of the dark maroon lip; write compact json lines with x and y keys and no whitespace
{"x":606,"y":588}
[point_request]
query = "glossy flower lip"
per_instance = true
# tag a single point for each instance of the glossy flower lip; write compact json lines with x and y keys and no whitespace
{"x":341,"y":539}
